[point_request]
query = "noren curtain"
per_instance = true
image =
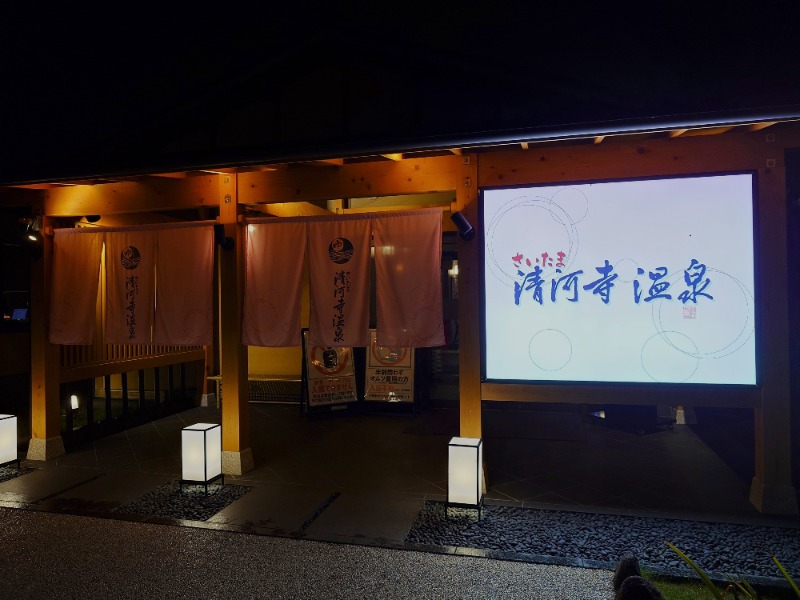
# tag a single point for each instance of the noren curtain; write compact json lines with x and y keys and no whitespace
{"x":275,"y":257}
{"x":338,"y":258}
{"x":408,"y":250}
{"x":76,"y":273}
{"x":130,"y":286}
{"x":184,"y":313}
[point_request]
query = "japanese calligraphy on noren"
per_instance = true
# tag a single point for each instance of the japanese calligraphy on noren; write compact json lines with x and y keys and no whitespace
{"x":130,"y":259}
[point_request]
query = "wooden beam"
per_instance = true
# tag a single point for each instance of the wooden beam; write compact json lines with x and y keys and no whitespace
{"x":328,"y":162}
{"x":371,"y":209}
{"x":613,"y":394}
{"x":707,"y":131}
{"x":620,"y":158}
{"x":181,"y":175}
{"x":358,"y":180}
{"x":760,"y":126}
{"x":147,"y":194}
{"x":290,"y":209}
{"x":128,"y":220}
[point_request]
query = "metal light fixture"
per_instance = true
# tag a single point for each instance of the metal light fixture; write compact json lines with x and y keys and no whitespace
{"x":464,"y":473}
{"x":201,"y":454}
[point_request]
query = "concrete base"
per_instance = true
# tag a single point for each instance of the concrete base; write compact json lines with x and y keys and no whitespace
{"x":773,"y":499}
{"x":209,"y":400}
{"x":45,"y":449}
{"x":237,"y":463}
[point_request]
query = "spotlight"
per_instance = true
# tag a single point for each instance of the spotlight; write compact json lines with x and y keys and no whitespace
{"x":465,"y":230}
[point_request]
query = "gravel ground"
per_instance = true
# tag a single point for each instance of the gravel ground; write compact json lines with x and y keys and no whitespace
{"x":50,"y":555}
{"x":190,"y":503}
{"x":596,"y":540}
{"x":10,"y":472}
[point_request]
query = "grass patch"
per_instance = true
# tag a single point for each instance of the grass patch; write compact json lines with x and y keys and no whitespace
{"x":677,"y":588}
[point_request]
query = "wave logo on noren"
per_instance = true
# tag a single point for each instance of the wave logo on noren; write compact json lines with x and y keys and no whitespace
{"x":340,"y":250}
{"x":131,"y":257}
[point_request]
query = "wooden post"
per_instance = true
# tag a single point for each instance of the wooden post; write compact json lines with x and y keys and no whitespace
{"x":469,"y":347}
{"x":210,"y":365}
{"x":771,"y":490}
{"x":46,"y":441}
{"x":237,"y":456}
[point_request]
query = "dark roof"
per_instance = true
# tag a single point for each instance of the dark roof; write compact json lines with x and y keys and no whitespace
{"x":152,"y":93}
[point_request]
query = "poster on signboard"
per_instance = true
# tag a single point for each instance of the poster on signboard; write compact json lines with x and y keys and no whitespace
{"x":389,"y":376}
{"x":330,"y":374}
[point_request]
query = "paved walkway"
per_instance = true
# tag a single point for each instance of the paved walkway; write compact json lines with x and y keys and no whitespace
{"x":48,"y":555}
{"x":357,"y":481}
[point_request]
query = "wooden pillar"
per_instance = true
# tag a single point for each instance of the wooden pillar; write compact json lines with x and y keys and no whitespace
{"x":237,"y":456}
{"x":210,"y":365}
{"x":46,"y":441}
{"x":469,"y":347}
{"x":771,"y":490}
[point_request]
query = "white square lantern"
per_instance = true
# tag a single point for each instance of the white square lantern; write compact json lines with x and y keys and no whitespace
{"x":8,"y":440}
{"x":201,"y":453}
{"x":464,"y":477}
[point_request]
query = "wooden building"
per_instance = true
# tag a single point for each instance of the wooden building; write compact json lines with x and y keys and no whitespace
{"x":255,"y":168}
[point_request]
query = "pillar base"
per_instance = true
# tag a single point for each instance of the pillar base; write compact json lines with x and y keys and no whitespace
{"x":45,"y":448}
{"x":237,"y":463}
{"x":773,"y":499}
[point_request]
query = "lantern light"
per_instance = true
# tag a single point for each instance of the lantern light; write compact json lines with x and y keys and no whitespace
{"x":464,"y":480}
{"x":8,"y":440}
{"x":201,"y":453}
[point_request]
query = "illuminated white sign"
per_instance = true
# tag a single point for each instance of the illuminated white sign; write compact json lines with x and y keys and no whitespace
{"x":622,"y":281}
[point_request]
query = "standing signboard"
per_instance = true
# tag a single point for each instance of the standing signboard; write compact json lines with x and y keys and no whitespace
{"x":389,"y":376}
{"x":330,"y":376}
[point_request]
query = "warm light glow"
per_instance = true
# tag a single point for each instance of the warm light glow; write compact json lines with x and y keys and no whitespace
{"x":8,"y":438}
{"x":453,"y":272}
{"x":201,"y":452}
{"x":73,"y":402}
{"x":464,"y":481}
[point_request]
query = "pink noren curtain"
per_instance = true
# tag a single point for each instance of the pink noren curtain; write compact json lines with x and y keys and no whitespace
{"x":408,"y":251}
{"x":76,"y":273}
{"x":184,"y":314}
{"x":275,"y":255}
{"x":130,"y":286}
{"x":338,"y":256}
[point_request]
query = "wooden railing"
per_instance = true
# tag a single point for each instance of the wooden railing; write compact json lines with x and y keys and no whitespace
{"x":73,"y":357}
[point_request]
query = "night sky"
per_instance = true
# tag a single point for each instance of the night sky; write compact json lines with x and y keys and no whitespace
{"x":77,"y":82}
